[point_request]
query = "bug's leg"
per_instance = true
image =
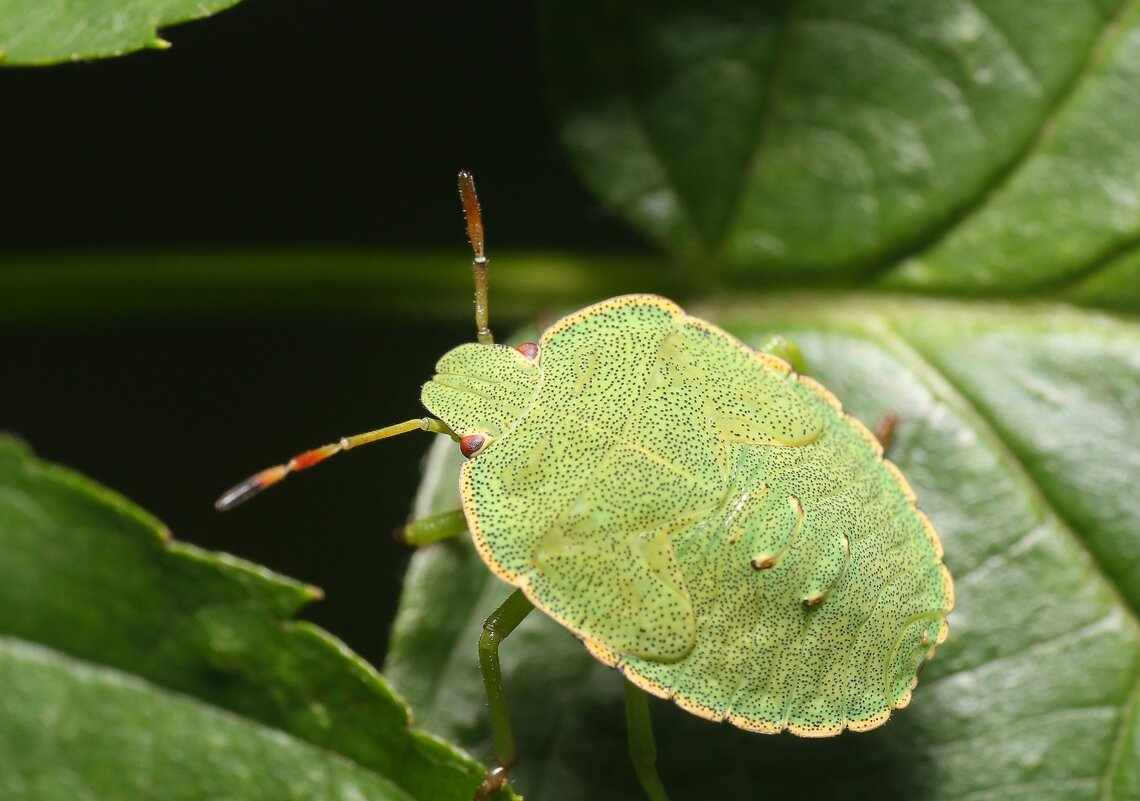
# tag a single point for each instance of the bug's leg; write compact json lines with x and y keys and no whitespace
{"x":789,"y":351}
{"x":642,"y":747}
{"x":885,"y":429}
{"x":497,"y":628}
{"x":786,"y":349}
{"x":432,"y":528}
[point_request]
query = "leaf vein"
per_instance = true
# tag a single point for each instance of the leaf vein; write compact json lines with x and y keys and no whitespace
{"x":1013,"y":50}
{"x":763,"y":129}
{"x":956,"y":219}
{"x":922,"y":364}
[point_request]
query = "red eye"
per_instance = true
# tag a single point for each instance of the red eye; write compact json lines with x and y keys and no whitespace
{"x":528,"y":349}
{"x":472,"y":444}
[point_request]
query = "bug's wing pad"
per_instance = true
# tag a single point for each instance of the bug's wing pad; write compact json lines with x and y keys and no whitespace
{"x":571,"y":504}
{"x":557,"y":520}
{"x":621,"y":588}
{"x":740,"y":393}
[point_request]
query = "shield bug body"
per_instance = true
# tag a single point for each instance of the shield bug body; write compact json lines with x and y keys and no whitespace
{"x":703,"y":517}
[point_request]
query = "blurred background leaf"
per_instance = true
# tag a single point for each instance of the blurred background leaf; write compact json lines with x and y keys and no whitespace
{"x":962,"y":146}
{"x":49,"y":31}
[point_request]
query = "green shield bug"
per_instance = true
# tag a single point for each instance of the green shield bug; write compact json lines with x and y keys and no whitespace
{"x":705,"y":518}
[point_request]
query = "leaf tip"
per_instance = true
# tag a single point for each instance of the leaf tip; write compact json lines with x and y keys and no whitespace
{"x":158,"y":43}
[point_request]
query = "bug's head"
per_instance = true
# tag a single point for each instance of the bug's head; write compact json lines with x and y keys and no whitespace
{"x":480,"y":389}
{"x":478,"y":392}
{"x":483,"y":389}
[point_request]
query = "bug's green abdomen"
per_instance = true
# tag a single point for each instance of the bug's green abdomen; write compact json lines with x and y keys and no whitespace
{"x":711,"y":523}
{"x":850,"y":597}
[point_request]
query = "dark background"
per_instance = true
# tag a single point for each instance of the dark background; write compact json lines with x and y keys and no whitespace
{"x":278,"y":123}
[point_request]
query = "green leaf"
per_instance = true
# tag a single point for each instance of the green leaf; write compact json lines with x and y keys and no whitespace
{"x":1019,"y":431}
{"x":1116,"y":285}
{"x":50,"y":31}
{"x":135,"y":667}
{"x":950,"y":146}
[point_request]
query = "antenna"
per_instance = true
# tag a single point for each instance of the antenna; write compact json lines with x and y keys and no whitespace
{"x":479,"y":263}
{"x":242,"y":492}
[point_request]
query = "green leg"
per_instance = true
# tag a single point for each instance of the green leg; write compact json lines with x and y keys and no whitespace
{"x":789,"y":351}
{"x":786,"y":349}
{"x":497,"y":628}
{"x":642,"y":748}
{"x":432,"y":528}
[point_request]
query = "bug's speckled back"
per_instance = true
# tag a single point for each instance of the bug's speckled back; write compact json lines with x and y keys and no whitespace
{"x":707,"y":520}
